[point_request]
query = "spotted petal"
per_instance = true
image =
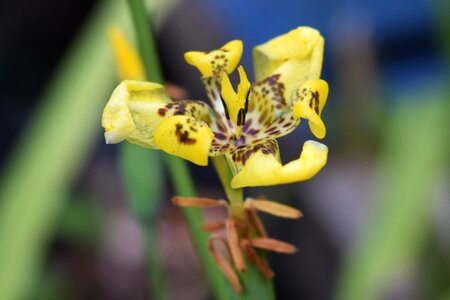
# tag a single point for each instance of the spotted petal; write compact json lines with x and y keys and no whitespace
{"x":282,"y":65}
{"x":264,"y":168}
{"x":136,"y":109}
{"x":240,"y":156}
{"x":212,"y":64}
{"x":186,"y":137}
{"x":308,"y":102}
{"x":268,"y":114}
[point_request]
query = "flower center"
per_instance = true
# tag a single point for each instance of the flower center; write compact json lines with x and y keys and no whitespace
{"x":236,"y":104}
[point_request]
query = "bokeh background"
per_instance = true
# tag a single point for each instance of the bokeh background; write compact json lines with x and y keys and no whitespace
{"x":376,"y":220}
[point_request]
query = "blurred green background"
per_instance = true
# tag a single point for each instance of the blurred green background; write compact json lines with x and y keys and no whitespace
{"x":377,"y":218}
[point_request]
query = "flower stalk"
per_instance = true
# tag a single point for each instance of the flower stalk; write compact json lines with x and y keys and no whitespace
{"x":177,"y":168}
{"x":235,"y":196}
{"x":238,"y":131}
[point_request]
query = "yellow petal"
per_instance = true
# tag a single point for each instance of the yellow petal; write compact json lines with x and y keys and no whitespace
{"x":238,"y":157}
{"x":136,"y":109}
{"x":264,"y":169}
{"x":308,"y":103}
{"x":128,"y":63}
{"x":229,"y":97}
{"x":211,"y":64}
{"x":244,"y":85}
{"x":296,"y":55}
{"x":131,"y":112}
{"x":186,"y":137}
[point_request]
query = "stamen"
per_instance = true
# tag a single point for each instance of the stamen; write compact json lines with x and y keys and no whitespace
{"x":241,"y":117}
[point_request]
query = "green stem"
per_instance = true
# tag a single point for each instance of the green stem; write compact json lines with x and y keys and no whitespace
{"x":254,"y":283}
{"x":235,"y":196}
{"x":156,"y":272}
{"x":184,"y":186}
{"x":178,"y":170}
{"x":147,"y":49}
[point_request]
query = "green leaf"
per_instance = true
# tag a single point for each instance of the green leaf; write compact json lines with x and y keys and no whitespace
{"x":143,"y":179}
{"x":53,"y":148}
{"x":412,"y":159}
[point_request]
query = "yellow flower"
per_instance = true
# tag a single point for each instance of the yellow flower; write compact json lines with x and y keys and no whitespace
{"x":242,"y":125}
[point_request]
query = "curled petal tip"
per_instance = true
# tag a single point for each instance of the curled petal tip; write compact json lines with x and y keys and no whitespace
{"x":115,"y":136}
{"x":297,"y":54}
{"x":264,"y":169}
{"x":211,"y":64}
{"x":308,"y":101}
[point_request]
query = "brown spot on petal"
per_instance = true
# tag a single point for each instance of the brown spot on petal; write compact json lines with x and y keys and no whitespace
{"x":162,"y":112}
{"x":183,"y":135}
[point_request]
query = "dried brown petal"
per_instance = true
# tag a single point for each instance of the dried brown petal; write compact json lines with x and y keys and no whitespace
{"x":212,"y":227}
{"x":256,"y":222}
{"x":233,"y":243}
{"x":225,"y":267}
{"x":273,"y":245}
{"x":274,"y":208}
{"x":260,"y":263}
{"x":196,"y":202}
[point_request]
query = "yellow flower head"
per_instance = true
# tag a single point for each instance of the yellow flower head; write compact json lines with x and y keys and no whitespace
{"x":243,"y":124}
